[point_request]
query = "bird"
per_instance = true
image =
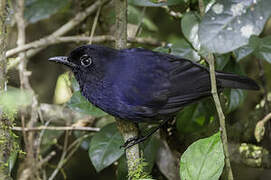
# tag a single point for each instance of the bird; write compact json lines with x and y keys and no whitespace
{"x":141,"y":85}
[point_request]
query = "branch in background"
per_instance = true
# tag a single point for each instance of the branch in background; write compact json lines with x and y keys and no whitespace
{"x":6,"y":138}
{"x":173,"y":13}
{"x":263,"y":83}
{"x":29,"y":138}
{"x":44,"y":42}
{"x":260,"y":129}
{"x":55,"y":128}
{"x":95,"y":24}
{"x":211,"y":61}
{"x":61,"y":31}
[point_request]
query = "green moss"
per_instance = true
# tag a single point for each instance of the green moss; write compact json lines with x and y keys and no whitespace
{"x":139,"y":171}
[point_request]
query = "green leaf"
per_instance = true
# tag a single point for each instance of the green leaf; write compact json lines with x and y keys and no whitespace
{"x":182,"y":49}
{"x":242,"y":52}
{"x":194,"y":117}
{"x":262,"y":47}
{"x":222,"y":61}
{"x":156,"y":3}
{"x":203,"y":160}
{"x":12,"y":160}
{"x":36,"y":10}
{"x":105,"y":148}
{"x":80,"y":104}
{"x":122,"y":171}
{"x":190,"y":27}
{"x":229,"y":24}
{"x":235,"y":98}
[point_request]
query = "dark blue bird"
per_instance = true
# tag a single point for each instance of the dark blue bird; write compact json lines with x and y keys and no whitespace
{"x":142,"y":85}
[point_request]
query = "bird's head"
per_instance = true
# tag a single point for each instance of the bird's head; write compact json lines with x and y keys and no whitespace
{"x":85,"y":59}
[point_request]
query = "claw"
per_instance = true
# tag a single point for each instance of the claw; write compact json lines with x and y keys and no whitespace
{"x":130,"y":142}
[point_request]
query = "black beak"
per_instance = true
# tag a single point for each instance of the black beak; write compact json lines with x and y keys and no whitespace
{"x":62,"y":60}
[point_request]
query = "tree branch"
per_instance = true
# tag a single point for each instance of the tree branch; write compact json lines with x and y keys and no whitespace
{"x":44,"y":42}
{"x":55,"y":128}
{"x":127,"y":128}
{"x":6,"y":144}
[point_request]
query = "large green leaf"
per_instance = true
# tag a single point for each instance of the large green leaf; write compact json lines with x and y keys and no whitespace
{"x":36,"y":10}
{"x":104,"y":148}
{"x":190,"y":28}
{"x":80,"y":104}
{"x":203,"y":160}
{"x":156,"y":3}
{"x":229,"y":24}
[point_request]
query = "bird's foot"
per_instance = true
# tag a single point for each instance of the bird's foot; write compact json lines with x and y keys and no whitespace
{"x":132,"y":141}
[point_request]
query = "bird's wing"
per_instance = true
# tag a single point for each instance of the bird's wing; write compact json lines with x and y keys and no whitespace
{"x":143,"y":84}
{"x":189,"y":83}
{"x":163,"y":84}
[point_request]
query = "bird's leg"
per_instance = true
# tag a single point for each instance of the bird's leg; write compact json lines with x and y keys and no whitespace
{"x":135,"y":140}
{"x":128,"y":141}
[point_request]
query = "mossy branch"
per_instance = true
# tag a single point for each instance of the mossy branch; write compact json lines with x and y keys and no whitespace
{"x":127,"y":128}
{"x":6,"y":136}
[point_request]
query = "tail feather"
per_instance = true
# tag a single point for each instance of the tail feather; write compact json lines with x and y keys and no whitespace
{"x":229,"y":80}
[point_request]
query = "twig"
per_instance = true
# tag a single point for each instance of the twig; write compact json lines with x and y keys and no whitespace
{"x":47,"y":158}
{"x":60,"y":128}
{"x":173,"y":13}
{"x":61,"y":31}
{"x":62,"y":158}
{"x":211,"y":61}
{"x":260,"y":129}
{"x":95,"y":24}
{"x":62,"y":161}
{"x":81,"y":38}
{"x":24,"y":83}
{"x":263,"y":83}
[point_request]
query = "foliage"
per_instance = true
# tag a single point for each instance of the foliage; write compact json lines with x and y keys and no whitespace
{"x":104,"y":148}
{"x":203,"y":160}
{"x":230,"y":29}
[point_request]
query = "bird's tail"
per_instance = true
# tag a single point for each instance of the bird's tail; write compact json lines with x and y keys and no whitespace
{"x":229,"y":80}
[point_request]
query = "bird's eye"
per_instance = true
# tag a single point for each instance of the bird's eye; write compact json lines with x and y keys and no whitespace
{"x":85,"y":60}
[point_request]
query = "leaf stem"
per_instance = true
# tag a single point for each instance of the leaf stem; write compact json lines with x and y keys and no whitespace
{"x":211,"y":61}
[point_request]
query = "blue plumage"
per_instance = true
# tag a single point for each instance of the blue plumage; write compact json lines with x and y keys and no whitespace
{"x":142,"y":85}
